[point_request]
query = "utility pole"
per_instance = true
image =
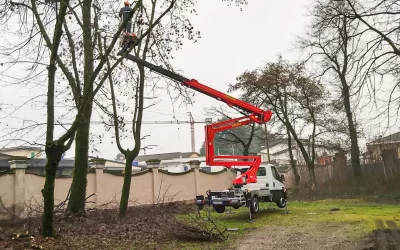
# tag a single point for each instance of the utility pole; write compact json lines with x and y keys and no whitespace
{"x":191,"y":120}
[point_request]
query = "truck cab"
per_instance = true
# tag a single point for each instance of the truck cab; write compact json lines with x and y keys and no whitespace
{"x":268,"y":180}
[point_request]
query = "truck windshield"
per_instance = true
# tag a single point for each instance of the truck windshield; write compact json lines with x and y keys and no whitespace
{"x":261,"y":171}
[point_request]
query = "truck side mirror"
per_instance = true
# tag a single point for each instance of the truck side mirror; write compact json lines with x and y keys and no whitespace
{"x":282,"y":177}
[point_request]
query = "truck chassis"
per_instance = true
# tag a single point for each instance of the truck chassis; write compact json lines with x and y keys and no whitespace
{"x":238,"y":197}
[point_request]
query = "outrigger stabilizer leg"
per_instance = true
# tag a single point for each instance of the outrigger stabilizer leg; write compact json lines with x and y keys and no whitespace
{"x":250,"y":220}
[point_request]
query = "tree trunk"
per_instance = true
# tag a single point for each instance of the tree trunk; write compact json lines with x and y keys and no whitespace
{"x":292,"y":162}
{"x":54,"y":149}
{"x":76,"y":204}
{"x":307,"y":158}
{"x":246,"y":150}
{"x":54,"y":153}
{"x":355,"y":151}
{"x":123,"y":206}
{"x":311,"y":170}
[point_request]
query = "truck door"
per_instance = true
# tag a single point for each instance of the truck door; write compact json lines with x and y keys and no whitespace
{"x":262,"y":180}
{"x":277,"y":183}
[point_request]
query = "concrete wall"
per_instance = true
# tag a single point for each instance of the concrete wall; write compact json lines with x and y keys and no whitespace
{"x":18,"y":188}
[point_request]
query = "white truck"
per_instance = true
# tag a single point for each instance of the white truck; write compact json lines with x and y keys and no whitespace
{"x":268,"y":188}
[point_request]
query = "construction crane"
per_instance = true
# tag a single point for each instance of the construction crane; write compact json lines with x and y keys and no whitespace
{"x":191,"y":121}
{"x":251,"y":114}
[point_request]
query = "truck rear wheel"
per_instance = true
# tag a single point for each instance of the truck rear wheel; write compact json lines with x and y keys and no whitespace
{"x":254,"y":205}
{"x":219,"y":209}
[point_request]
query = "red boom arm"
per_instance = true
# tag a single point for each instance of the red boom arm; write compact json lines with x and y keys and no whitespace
{"x":252,"y":114}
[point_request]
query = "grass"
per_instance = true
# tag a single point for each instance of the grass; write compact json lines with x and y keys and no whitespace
{"x":359,"y":214}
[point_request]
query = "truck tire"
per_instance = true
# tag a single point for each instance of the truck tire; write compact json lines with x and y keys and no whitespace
{"x":219,"y":209}
{"x":254,"y":205}
{"x":281,"y":203}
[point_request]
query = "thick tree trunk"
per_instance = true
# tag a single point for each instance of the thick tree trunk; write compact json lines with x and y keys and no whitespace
{"x":76,"y":204}
{"x":123,"y":206}
{"x":292,"y":162}
{"x":355,"y":151}
{"x":54,"y":153}
{"x":311,"y":170}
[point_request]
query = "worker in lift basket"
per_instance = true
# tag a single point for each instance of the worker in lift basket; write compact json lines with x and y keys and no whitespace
{"x":124,"y":14}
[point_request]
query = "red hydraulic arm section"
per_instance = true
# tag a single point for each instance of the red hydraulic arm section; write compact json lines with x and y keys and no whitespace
{"x":251,"y":114}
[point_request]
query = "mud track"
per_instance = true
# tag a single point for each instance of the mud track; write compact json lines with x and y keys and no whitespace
{"x":386,"y":237}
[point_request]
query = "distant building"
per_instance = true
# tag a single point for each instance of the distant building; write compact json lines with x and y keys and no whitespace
{"x":25,"y":151}
{"x":37,"y":162}
{"x":167,"y":156}
{"x":178,"y":162}
{"x":112,"y":165}
{"x":375,"y":148}
{"x":279,"y":152}
{"x":37,"y":166}
{"x":4,"y":156}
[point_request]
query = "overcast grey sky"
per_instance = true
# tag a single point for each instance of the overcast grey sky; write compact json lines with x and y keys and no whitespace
{"x":232,"y":41}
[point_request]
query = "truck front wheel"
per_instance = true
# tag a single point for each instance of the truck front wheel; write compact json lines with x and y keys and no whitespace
{"x":254,"y":206}
{"x":281,"y":203}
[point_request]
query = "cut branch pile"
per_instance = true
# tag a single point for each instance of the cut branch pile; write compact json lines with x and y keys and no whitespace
{"x":186,"y":232}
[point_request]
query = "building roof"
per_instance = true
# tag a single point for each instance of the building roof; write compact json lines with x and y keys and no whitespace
{"x":20,"y":147}
{"x":166,"y":156}
{"x":39,"y":163}
{"x":387,"y":139}
{"x":281,"y":140}
{"x":280,"y":152}
{"x":1,"y":154}
{"x":317,"y":145}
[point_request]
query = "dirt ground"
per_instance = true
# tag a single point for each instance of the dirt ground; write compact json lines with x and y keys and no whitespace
{"x":297,"y":237}
{"x":101,"y":229}
{"x":319,"y":237}
{"x":383,"y":238}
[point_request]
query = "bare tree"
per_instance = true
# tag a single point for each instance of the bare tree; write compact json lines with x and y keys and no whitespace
{"x":93,"y":76}
{"x":156,"y":48}
{"x":91,"y":32}
{"x":380,"y":20}
{"x":295,"y":99}
{"x":335,"y":43}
